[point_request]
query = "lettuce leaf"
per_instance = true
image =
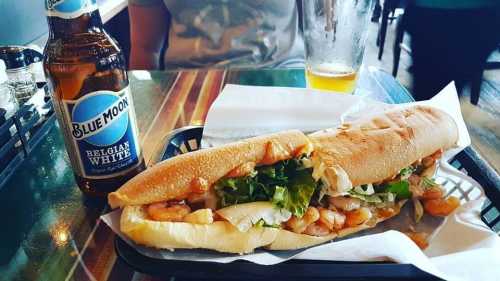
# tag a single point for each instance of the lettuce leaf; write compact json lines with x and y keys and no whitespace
{"x":287,"y":184}
{"x":234,"y":191}
{"x":375,"y":198}
{"x":262,"y":223}
{"x":428,"y":182}
{"x":400,"y":188}
{"x":296,"y":196}
{"x":405,"y":173}
{"x":365,"y":189}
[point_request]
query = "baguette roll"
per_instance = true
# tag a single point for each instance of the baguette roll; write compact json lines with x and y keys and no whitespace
{"x":196,"y":172}
{"x":219,"y":236}
{"x":375,"y":149}
{"x":288,"y":240}
{"x":222,"y":236}
{"x":375,"y":152}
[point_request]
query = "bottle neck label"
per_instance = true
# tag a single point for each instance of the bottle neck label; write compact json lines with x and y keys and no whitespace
{"x":103,"y":132}
{"x":69,"y":9}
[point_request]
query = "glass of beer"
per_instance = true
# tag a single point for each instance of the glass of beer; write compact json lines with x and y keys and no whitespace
{"x":335,"y":34}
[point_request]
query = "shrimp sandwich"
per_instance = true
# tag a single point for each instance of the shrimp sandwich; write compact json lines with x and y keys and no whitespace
{"x":290,"y":190}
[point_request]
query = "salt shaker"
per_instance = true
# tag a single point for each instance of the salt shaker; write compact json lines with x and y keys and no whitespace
{"x":19,"y":61}
{"x":8,"y":100}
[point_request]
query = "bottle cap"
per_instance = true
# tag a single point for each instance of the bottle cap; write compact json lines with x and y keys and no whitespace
{"x":3,"y":72}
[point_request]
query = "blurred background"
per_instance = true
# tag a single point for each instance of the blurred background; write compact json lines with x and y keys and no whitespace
{"x":388,"y":46}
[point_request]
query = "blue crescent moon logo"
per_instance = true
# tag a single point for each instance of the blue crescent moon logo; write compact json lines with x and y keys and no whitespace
{"x":93,"y":106}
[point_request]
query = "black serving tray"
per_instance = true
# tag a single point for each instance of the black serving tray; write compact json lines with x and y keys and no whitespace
{"x":20,"y":134}
{"x":188,"y":139}
{"x":290,"y":270}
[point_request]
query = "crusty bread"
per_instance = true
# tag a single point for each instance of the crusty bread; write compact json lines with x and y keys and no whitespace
{"x":221,"y":235}
{"x":178,"y":177}
{"x":377,"y":148}
{"x":368,"y":151}
{"x":287,"y":240}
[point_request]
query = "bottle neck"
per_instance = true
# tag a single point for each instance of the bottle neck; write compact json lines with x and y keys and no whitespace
{"x":86,"y":23}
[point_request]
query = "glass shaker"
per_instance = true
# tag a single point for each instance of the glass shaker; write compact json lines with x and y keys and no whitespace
{"x":7,"y":99}
{"x":19,"y":60}
{"x":24,"y":83}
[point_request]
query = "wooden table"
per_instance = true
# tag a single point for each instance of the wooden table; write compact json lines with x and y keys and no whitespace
{"x":50,"y":232}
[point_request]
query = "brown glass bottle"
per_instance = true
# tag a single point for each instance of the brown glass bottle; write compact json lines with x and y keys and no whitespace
{"x":86,"y":73}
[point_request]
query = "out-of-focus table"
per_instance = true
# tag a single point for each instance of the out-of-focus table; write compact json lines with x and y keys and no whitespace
{"x":110,"y":8}
{"x":50,"y":232}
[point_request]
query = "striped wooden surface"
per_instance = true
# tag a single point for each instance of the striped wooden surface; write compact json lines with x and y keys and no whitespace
{"x":57,"y":234}
{"x":184,"y":102}
{"x":53,"y":233}
{"x":176,"y":101}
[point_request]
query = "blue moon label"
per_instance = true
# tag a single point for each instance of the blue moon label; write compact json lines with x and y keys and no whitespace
{"x":103,"y":129}
{"x":69,"y":9}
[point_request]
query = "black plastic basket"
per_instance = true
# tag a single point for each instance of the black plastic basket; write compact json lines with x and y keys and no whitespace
{"x":188,"y":139}
{"x":20,"y":134}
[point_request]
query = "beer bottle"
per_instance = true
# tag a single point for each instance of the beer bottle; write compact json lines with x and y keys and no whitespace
{"x":86,"y":73}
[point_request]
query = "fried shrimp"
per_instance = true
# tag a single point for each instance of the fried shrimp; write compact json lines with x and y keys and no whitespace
{"x":441,"y":207}
{"x":345,"y":203}
{"x":168,"y":212}
{"x":331,"y":219}
{"x":357,"y":217}
{"x":317,"y":229}
{"x":299,"y":225}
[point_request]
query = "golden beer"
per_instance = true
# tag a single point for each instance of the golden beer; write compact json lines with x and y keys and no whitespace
{"x":331,"y":77}
{"x":334,"y":38}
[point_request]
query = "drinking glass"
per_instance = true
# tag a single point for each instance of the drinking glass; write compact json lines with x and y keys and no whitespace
{"x":335,"y":34}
